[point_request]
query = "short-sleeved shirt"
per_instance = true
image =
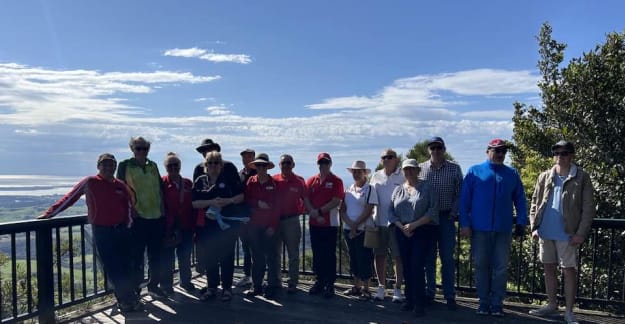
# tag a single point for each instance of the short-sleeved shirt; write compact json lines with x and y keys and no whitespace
{"x":292,"y":192}
{"x":384,"y":186}
{"x":224,"y":187}
{"x":552,"y":226}
{"x":408,"y":208}
{"x":267,"y":192}
{"x":322,"y":192}
{"x":355,"y":200}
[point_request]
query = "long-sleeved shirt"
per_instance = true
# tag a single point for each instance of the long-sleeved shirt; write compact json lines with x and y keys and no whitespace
{"x":109,"y":203}
{"x":256,"y":191}
{"x":407,"y":208}
{"x":488,"y":193}
{"x":178,"y":208}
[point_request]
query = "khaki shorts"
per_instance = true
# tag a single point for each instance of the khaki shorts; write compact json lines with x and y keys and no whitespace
{"x":387,"y":242}
{"x":559,"y":252}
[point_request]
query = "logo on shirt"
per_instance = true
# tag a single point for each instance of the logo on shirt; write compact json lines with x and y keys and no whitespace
{"x":294,"y":189}
{"x":329,"y":185}
{"x":269,"y":188}
{"x":222,"y":185}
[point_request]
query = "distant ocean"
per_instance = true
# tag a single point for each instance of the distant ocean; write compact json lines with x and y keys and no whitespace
{"x":36,"y":185}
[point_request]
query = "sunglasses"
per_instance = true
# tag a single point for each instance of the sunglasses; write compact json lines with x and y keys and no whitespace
{"x":500,"y":150}
{"x":436,"y":148}
{"x":142,"y":148}
{"x":173,"y":165}
{"x":260,"y":165}
{"x":213,"y":162}
{"x":562,"y":153}
{"x":388,"y":157}
{"x":286,"y":163}
{"x":323,"y":162}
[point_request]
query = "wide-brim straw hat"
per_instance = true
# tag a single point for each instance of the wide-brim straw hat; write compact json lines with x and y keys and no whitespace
{"x":359,"y":165}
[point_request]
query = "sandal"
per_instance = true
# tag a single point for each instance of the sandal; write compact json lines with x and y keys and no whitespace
{"x":354,"y":291}
{"x":366,"y":295}
{"x":210,"y":294}
{"x":226,"y":295}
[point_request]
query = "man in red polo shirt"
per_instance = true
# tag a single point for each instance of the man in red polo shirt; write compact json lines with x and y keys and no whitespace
{"x":292,"y":191}
{"x":325,"y":193}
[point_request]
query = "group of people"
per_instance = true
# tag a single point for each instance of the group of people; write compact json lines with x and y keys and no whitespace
{"x":410,"y":209}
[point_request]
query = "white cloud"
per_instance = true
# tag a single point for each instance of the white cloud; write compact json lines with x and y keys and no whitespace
{"x":489,"y":114}
{"x":208,"y":55}
{"x":35,"y":96}
{"x":217,"y":110}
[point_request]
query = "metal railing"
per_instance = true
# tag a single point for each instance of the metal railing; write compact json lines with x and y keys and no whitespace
{"x":49,"y":265}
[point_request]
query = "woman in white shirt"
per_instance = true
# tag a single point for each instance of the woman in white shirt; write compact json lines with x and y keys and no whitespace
{"x":355,"y":212}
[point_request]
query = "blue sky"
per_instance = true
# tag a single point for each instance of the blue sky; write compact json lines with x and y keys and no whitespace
{"x":78,"y":78}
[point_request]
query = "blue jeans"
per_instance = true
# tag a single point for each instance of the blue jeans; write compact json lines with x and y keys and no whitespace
{"x":491,"y":254}
{"x":444,"y":243}
{"x":183,"y":252}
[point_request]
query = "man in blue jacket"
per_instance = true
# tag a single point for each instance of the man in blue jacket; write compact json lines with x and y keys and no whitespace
{"x":489,"y":191}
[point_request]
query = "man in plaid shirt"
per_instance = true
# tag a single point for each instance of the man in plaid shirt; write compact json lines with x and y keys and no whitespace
{"x":445,"y":177}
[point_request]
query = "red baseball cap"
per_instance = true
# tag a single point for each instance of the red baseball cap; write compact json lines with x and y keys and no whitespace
{"x":324,"y":156}
{"x":497,"y":142}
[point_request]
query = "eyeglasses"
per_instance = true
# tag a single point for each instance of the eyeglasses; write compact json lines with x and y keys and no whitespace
{"x":436,"y":148}
{"x":260,"y":165}
{"x":142,"y":148}
{"x":561,"y":153}
{"x":173,"y":165}
{"x":500,"y":150}
{"x":213,"y":162}
{"x":323,"y":162}
{"x":286,"y":163}
{"x":388,"y":157}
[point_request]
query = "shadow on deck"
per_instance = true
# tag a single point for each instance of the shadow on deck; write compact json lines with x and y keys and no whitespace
{"x":183,"y":307}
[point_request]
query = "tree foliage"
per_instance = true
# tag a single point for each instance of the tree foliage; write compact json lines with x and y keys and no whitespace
{"x":583,"y":102}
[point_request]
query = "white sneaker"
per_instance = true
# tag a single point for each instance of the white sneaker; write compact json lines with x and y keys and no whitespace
{"x":544,"y":311}
{"x":397,"y":298}
{"x":570,"y":318}
{"x":245,"y":281}
{"x":379,"y":295}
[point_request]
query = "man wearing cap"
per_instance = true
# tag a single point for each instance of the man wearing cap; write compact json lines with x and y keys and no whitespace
{"x":561,"y":215}
{"x":261,"y":196}
{"x":384,"y":182}
{"x":247,"y":156}
{"x":142,"y":176}
{"x":109,"y":205}
{"x":292,"y":192}
{"x":445,"y":177}
{"x":324,"y":194}
{"x":489,"y":191}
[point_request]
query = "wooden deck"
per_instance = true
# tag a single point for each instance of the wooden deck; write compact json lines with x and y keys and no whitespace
{"x":303,"y":308}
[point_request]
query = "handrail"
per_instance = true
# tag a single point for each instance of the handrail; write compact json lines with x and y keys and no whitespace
{"x":49,"y":297}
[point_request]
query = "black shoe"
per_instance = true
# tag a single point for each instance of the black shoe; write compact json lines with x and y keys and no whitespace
{"x":188,"y":287}
{"x":429,"y":300}
{"x":406,"y":307}
{"x":256,"y":291}
{"x":328,"y":292}
{"x":203,"y":290}
{"x":156,"y":293}
{"x":134,"y":306}
{"x":271,"y":292}
{"x":168,"y":291}
{"x":316,"y":288}
{"x":451,"y":304}
{"x":419,"y":311}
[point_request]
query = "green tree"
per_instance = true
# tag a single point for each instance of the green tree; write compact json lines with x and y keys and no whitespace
{"x":583,"y":102}
{"x":420,"y":152}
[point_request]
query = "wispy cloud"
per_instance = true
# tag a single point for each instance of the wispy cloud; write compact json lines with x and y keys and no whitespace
{"x":208,"y":55}
{"x":34,"y":95}
{"x":218,"y":110}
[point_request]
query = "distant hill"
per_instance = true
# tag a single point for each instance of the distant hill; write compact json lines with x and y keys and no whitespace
{"x":16,"y":208}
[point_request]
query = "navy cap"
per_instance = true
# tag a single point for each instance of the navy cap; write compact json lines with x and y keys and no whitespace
{"x":435,"y":139}
{"x":564,"y":144}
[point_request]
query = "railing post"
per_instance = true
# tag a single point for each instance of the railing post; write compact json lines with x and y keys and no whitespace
{"x":45,"y":275}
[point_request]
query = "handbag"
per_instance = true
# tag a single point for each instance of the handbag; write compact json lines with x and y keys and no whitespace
{"x":372,"y":237}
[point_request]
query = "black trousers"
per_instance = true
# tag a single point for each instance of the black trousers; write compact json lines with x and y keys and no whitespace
{"x":147,"y":234}
{"x":218,"y":253}
{"x":323,"y":243}
{"x":414,"y":251}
